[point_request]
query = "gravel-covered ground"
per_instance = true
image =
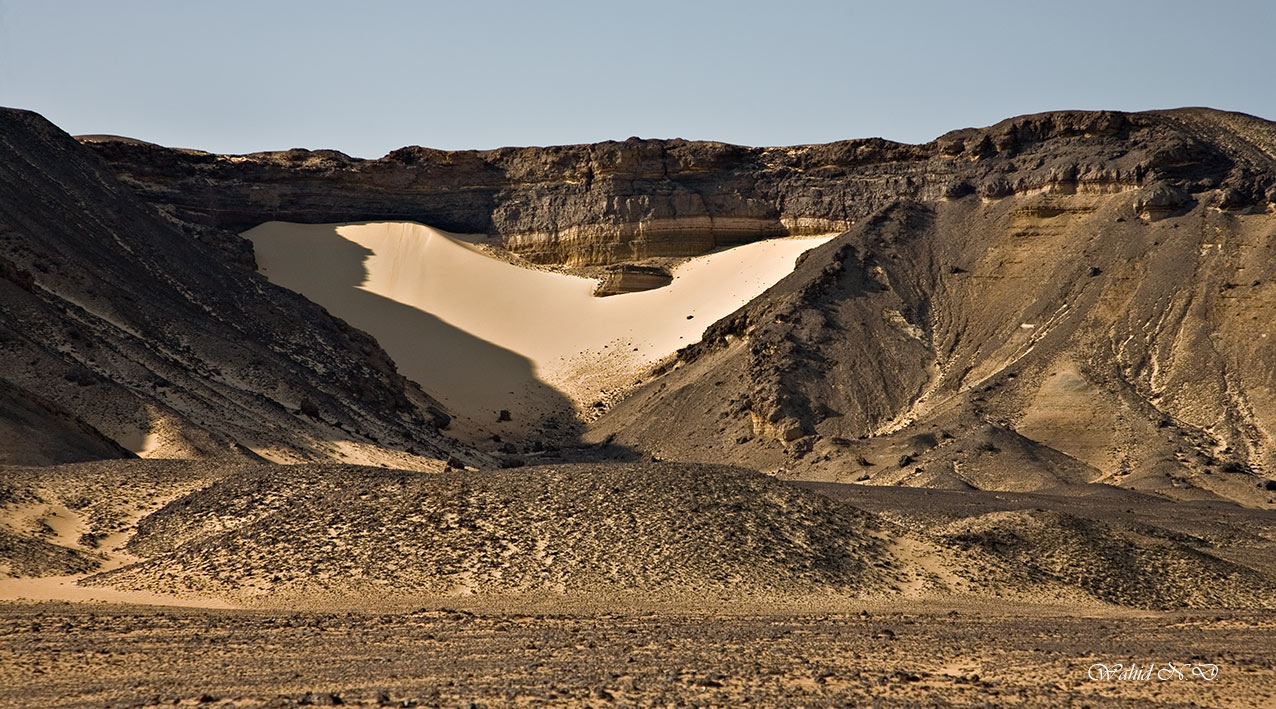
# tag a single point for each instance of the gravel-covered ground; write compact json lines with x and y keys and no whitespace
{"x":97,"y":655}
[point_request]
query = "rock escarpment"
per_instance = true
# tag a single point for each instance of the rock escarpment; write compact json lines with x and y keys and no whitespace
{"x":615,"y":202}
{"x":1058,"y":298}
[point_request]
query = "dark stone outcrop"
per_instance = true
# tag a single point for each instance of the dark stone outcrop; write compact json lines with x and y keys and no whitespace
{"x":1161,"y":199}
{"x":631,"y":278}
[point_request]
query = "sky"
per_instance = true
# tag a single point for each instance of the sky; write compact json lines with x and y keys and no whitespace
{"x":368,"y":77}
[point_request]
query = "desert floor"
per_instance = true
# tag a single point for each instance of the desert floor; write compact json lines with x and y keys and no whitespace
{"x":58,"y":654}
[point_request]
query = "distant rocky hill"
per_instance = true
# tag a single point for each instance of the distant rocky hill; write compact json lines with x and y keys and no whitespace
{"x":120,"y":334}
{"x":615,"y":202}
{"x":1057,"y":299}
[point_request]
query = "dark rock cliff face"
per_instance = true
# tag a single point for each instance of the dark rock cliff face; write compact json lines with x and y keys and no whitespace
{"x":119,"y":334}
{"x":622,"y":201}
{"x":630,"y":278}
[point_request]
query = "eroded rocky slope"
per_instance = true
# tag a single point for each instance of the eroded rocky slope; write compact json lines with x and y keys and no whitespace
{"x":119,"y":335}
{"x":1012,"y":344}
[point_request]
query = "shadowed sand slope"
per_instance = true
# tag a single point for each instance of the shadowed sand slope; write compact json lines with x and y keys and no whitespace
{"x":485,"y":335}
{"x":35,"y":432}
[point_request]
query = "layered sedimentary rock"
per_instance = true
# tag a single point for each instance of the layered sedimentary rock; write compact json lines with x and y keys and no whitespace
{"x":614,"y":202}
{"x":632,"y":278}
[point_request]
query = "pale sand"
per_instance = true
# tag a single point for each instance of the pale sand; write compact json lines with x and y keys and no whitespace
{"x":67,"y":526}
{"x":482,"y":334}
{"x":64,"y":588}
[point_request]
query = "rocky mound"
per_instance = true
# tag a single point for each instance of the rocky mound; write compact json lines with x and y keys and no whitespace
{"x":120,"y":334}
{"x":618,"y":528}
{"x":1149,"y":568}
{"x":1121,"y":546}
{"x":28,"y":555}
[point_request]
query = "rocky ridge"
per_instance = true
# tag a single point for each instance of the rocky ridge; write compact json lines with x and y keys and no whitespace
{"x":616,"y":202}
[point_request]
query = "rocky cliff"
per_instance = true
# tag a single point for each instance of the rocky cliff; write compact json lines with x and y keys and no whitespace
{"x":614,"y":202}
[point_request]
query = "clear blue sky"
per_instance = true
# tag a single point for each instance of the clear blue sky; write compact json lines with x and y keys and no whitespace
{"x":368,"y":77}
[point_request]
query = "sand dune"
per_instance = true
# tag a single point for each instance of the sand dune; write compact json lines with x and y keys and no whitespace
{"x":483,"y":334}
